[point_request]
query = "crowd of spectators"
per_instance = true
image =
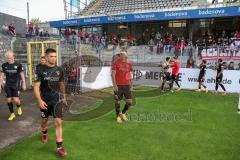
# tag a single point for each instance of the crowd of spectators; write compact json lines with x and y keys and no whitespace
{"x":34,"y":31}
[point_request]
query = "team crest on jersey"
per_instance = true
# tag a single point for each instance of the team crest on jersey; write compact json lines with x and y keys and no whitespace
{"x":58,"y":73}
{"x":36,"y":76}
{"x":15,"y":67}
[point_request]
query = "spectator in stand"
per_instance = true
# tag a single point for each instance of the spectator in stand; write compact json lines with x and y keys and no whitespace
{"x":104,"y":34}
{"x":114,"y":39}
{"x":80,"y":35}
{"x":182,"y":45}
{"x":177,"y":46}
{"x":238,"y":68}
{"x":30,"y":28}
{"x":106,"y":39}
{"x":103,"y":41}
{"x":119,"y":38}
{"x":74,"y":40}
{"x":237,"y":34}
{"x":190,"y":63}
{"x":159,"y":47}
{"x":4,"y":28}
{"x":41,"y":36}
{"x":96,"y":42}
{"x":36,"y":30}
{"x":231,"y":66}
{"x":87,"y":36}
{"x":46,"y":35}
{"x":152,"y":36}
{"x":11,"y":30}
{"x":72,"y":80}
{"x":147,"y":35}
{"x":167,"y":42}
{"x":158,"y":37}
{"x":225,"y":66}
{"x":130,"y":39}
{"x":190,"y":49}
{"x":67,"y":33}
{"x":151,"y":45}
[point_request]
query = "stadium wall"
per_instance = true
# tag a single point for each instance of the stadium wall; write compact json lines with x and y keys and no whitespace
{"x":99,"y":78}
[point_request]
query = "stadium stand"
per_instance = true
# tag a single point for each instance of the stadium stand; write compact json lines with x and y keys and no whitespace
{"x":114,"y":7}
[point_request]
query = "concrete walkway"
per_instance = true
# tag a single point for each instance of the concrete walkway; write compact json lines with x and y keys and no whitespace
{"x":28,"y":123}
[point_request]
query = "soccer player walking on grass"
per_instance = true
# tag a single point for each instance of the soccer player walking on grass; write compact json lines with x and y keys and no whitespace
{"x":219,"y":77}
{"x":201,"y":77}
{"x":175,"y":70}
{"x":166,"y":73}
{"x":13,"y":73}
{"x":49,"y":90}
{"x":122,"y":83}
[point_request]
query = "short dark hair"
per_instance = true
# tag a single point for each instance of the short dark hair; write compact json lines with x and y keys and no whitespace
{"x":175,"y":57}
{"x":220,"y":60}
{"x":50,"y":50}
{"x":204,"y":61}
{"x":168,"y":58}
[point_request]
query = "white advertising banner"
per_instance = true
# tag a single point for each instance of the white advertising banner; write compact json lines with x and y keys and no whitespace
{"x":100,"y":77}
{"x":231,"y":79}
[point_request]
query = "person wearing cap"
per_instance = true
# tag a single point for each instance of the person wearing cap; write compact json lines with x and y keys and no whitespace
{"x":122,"y":83}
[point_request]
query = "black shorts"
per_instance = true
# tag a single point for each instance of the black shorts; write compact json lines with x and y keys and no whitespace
{"x":123,"y":90}
{"x":174,"y":77}
{"x":219,"y":79}
{"x":55,"y":110}
{"x":11,"y":91}
{"x":201,"y":78}
{"x":166,"y":76}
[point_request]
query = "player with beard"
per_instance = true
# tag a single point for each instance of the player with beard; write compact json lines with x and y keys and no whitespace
{"x":49,"y":90}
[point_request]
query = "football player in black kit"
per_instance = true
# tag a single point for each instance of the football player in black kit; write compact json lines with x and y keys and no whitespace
{"x":43,"y":61}
{"x":49,"y":90}
{"x":219,"y":77}
{"x":13,"y":73}
{"x":166,"y":74}
{"x":201,"y":77}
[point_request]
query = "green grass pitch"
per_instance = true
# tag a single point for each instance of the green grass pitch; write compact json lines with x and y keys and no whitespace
{"x":174,"y":126}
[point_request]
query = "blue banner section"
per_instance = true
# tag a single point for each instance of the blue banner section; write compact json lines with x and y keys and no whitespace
{"x":151,"y":16}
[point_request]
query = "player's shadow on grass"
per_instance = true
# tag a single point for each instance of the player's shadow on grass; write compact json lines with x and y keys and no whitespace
{"x":107,"y":104}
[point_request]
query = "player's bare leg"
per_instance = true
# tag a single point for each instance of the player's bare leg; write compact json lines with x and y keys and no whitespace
{"x":117,"y":109}
{"x":10,"y":106}
{"x":59,"y":140}
{"x":17,"y":101}
{"x":44,"y":129}
{"x":125,"y":109}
